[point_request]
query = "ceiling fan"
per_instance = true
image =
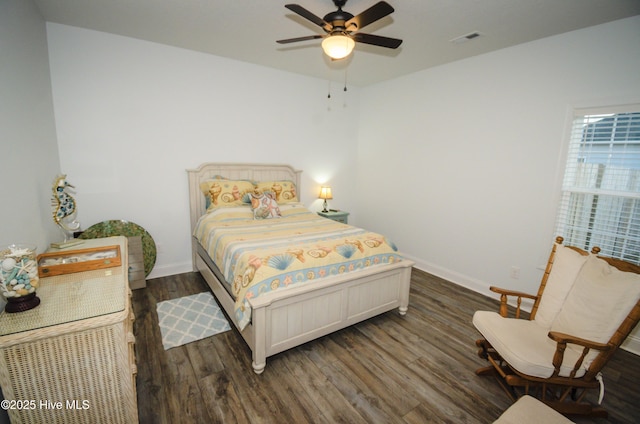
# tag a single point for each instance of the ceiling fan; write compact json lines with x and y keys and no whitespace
{"x":342,"y":28}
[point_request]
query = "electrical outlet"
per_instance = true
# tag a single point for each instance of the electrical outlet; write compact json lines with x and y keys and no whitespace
{"x":515,"y":272}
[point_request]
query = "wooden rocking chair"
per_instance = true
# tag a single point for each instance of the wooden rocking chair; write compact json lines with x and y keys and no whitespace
{"x":585,"y":308}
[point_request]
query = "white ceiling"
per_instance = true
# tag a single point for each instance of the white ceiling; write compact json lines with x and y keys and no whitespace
{"x":247,"y":30}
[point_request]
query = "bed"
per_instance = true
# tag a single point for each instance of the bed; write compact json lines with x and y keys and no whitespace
{"x":293,"y":314}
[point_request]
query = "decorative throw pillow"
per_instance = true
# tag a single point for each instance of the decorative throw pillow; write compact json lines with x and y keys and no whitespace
{"x":284,"y":190}
{"x":206,"y":185}
{"x":221,"y":192}
{"x":264,"y":206}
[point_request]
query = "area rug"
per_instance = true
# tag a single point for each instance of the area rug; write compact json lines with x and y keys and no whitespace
{"x":190,"y":318}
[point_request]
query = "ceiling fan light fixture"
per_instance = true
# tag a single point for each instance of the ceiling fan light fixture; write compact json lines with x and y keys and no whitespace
{"x":338,"y":46}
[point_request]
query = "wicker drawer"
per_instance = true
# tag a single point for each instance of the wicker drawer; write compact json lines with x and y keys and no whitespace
{"x":82,"y":369}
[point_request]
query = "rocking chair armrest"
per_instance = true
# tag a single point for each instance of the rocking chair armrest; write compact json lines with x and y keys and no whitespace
{"x":567,"y":338}
{"x":562,"y":339}
{"x":504,"y":293}
{"x":507,"y":292}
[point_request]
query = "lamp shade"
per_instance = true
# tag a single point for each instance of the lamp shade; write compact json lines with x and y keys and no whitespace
{"x":325,"y":193}
{"x":338,"y":46}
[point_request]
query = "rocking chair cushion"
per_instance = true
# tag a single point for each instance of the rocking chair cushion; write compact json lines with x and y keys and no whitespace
{"x":524,"y":344}
{"x":601,"y":298}
{"x":566,"y":265}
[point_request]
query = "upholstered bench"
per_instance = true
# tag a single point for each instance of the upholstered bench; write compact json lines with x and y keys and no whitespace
{"x":529,"y":410}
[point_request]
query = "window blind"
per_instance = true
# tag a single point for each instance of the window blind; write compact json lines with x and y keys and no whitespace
{"x":600,"y":204}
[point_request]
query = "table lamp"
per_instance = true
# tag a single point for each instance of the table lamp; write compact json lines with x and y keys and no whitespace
{"x":325,"y":193}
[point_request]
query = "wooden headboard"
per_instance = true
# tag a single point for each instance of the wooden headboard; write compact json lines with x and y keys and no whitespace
{"x":233,"y":171}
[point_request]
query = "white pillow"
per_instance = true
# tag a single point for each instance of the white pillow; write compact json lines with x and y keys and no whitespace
{"x":601,"y":298}
{"x":566,"y":265}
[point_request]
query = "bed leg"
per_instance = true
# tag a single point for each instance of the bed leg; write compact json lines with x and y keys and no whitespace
{"x":258,"y":368}
{"x":259,"y":350}
{"x":404,"y":285}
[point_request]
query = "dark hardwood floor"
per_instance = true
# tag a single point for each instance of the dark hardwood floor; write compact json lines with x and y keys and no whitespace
{"x":390,"y":369}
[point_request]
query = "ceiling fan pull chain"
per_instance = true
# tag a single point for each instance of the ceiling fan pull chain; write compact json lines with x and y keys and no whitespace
{"x":345,"y":80}
{"x":329,"y":90}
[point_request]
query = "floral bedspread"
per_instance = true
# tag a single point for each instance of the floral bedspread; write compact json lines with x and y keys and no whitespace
{"x":260,"y":256}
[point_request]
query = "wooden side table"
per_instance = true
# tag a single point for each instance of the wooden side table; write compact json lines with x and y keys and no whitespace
{"x":72,"y":359}
{"x":340,"y":216}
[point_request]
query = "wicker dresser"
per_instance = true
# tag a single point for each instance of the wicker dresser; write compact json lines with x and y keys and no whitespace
{"x":71,"y":359}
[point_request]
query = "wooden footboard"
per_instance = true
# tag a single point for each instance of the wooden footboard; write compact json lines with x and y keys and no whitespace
{"x":288,"y":318}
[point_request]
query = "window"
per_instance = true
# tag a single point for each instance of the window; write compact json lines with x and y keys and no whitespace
{"x":600,"y":203}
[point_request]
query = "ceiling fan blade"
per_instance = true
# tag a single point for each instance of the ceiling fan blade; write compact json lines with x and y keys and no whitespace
{"x":294,"y":40}
{"x":376,"y":40}
{"x":372,"y":14}
{"x":307,"y":15}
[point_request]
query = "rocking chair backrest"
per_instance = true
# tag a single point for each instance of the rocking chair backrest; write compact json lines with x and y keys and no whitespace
{"x":599,"y":304}
{"x":572,"y":301}
{"x":562,"y":268}
{"x":633,"y":318}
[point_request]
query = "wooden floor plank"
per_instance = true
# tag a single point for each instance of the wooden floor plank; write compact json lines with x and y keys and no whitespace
{"x":369,"y":370}
{"x":185,"y":398}
{"x":221,"y":399}
{"x":415,"y":368}
{"x":150,"y":363}
{"x":331,"y":404}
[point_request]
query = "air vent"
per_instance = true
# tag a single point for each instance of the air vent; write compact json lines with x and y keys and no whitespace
{"x":465,"y":38}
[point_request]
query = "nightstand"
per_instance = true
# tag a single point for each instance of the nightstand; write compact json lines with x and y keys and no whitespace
{"x":339,"y":216}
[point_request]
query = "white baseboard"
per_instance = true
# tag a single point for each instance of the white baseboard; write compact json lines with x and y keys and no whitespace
{"x":454,"y":277}
{"x":170,"y":269}
{"x":631,"y":344}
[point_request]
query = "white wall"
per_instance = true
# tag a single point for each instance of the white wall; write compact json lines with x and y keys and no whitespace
{"x":29,"y":158}
{"x":462,"y":164}
{"x":133,"y":115}
{"x":470,"y":166}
